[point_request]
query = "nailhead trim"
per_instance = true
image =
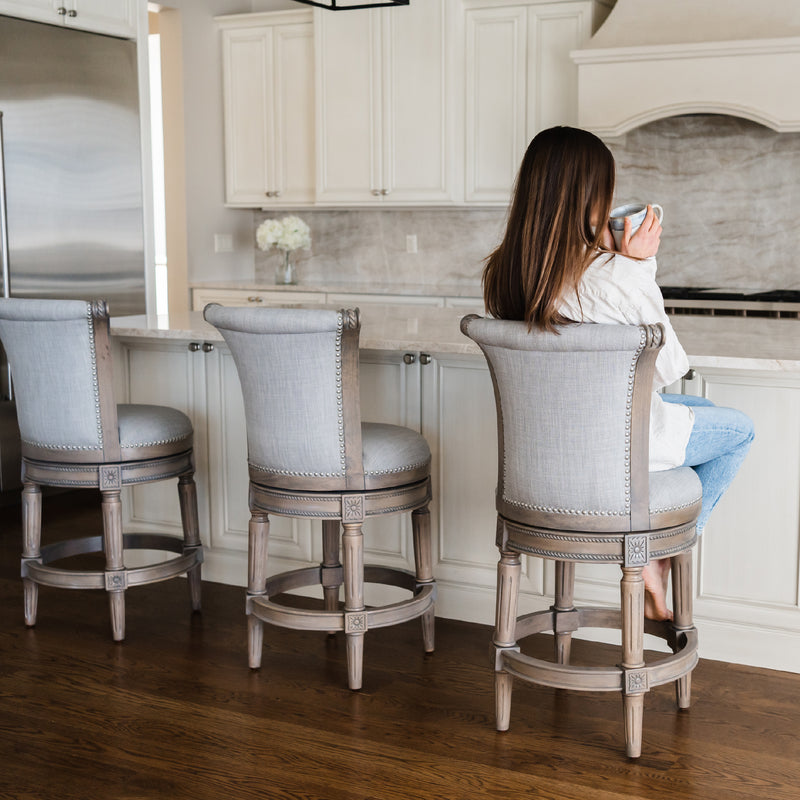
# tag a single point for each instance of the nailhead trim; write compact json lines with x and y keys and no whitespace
{"x":157,"y":441}
{"x":339,"y":392}
{"x":554,"y":510}
{"x":262,"y":468}
{"x":95,"y":382}
{"x":403,"y":468}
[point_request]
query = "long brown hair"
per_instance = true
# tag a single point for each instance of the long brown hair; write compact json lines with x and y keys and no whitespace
{"x":566,"y":178}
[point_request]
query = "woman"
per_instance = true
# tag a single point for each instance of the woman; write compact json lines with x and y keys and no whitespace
{"x":557,"y":264}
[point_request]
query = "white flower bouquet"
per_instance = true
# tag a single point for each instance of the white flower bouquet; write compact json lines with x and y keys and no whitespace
{"x":287,"y":235}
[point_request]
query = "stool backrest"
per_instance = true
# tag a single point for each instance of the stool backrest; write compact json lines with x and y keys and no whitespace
{"x":61,"y":371}
{"x":573,"y":421}
{"x":298,"y":369}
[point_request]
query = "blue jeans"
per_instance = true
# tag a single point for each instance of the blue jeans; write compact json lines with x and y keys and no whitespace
{"x":717,"y":446}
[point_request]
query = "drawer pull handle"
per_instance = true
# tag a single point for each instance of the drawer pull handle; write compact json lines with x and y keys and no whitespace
{"x":254,"y":299}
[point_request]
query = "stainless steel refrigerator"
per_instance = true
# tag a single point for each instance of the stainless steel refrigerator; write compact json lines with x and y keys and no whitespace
{"x":70,"y":169}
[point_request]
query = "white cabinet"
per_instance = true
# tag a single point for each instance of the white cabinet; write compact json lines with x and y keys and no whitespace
{"x":385,"y":102}
{"x":268,"y":85}
{"x":113,"y":17}
{"x":168,"y":373}
{"x":519,"y":80}
{"x":748,"y":565}
{"x":252,"y":297}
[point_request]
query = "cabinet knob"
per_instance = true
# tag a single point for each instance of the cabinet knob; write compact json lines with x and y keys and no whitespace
{"x":254,"y":298}
{"x":384,"y":191}
{"x":690,"y":375}
{"x":72,"y":13}
{"x":424,"y":358}
{"x":62,"y":11}
{"x":207,"y":347}
{"x":376,"y":192}
{"x":194,"y":346}
{"x":409,"y":358}
{"x":277,"y":193}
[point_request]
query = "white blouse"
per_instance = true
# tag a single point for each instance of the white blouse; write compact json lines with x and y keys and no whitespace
{"x":618,"y":289}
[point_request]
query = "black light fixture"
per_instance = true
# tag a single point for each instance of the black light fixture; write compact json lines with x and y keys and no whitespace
{"x":343,"y":5}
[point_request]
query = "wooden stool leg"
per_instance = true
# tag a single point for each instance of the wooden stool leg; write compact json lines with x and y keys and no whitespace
{"x":423,"y":562}
{"x":257,"y":542}
{"x":508,"y":572}
{"x":355,"y":616}
{"x":682,"y":616}
{"x":31,"y":542}
{"x":187,"y":494}
{"x":330,"y":560}
{"x":632,"y":596}
{"x":115,"y":567}
{"x":564,"y":601}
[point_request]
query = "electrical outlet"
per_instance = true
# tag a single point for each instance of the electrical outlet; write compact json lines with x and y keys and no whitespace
{"x":411,"y":243}
{"x":223,"y":243}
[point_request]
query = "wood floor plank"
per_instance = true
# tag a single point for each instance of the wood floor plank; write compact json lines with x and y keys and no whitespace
{"x":174,"y":712}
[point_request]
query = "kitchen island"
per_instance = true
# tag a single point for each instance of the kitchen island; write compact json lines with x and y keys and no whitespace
{"x":418,"y":370}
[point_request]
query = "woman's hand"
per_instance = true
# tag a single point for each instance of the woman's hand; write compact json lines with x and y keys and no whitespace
{"x":644,"y":243}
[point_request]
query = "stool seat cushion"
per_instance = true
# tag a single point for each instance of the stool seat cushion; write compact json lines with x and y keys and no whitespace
{"x":393,"y":455}
{"x":674,"y":490}
{"x":144,"y":428}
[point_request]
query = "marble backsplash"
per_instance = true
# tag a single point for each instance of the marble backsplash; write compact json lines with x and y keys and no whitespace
{"x":730,"y":190}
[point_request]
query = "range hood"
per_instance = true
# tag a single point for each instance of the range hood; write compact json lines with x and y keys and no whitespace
{"x":653,"y":59}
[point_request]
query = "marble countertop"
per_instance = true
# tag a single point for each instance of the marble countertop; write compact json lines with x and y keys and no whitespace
{"x":352,"y":287}
{"x":727,"y":342}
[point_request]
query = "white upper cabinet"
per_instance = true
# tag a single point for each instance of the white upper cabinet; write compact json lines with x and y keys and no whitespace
{"x":520,"y":79}
{"x":386,"y":105}
{"x":113,"y":17}
{"x":268,"y":64}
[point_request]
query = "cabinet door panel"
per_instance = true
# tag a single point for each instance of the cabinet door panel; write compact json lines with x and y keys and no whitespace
{"x":116,"y":17}
{"x":294,"y":114}
{"x":166,"y":375}
{"x":553,"y":31}
{"x":247,"y":62}
{"x":347,"y":85}
{"x":417,"y":142}
{"x":495,"y":101}
{"x":389,"y":394}
{"x":751,"y":546}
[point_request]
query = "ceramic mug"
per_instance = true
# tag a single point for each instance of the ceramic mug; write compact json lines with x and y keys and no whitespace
{"x":637,"y":212}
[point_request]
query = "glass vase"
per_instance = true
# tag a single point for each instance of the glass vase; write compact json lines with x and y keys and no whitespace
{"x":284,"y":272}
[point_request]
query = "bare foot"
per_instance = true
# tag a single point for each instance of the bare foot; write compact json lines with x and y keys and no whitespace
{"x":656,"y":577}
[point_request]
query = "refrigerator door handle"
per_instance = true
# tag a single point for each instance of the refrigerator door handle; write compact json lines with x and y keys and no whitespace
{"x":3,"y":215}
{"x":5,"y":381}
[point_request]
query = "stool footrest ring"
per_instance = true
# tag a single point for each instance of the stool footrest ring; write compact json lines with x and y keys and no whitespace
{"x":267,"y":610}
{"x":604,"y":678}
{"x":38,"y":570}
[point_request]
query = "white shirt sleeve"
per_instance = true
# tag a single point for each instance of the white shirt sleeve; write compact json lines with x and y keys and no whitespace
{"x":618,"y":289}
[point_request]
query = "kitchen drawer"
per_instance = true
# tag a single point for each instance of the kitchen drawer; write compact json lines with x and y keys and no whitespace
{"x":252,"y":297}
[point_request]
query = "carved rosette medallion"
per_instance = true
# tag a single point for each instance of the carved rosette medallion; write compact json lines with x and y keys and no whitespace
{"x":637,"y":550}
{"x":110,"y":477}
{"x":636,"y":681}
{"x":353,"y":508}
{"x":355,"y":621}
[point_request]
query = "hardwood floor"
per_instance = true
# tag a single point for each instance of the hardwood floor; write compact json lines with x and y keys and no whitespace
{"x":174,"y":712}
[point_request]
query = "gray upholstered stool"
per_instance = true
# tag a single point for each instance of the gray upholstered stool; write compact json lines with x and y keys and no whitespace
{"x":310,"y":455}
{"x":573,"y":485}
{"x":75,"y":435}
